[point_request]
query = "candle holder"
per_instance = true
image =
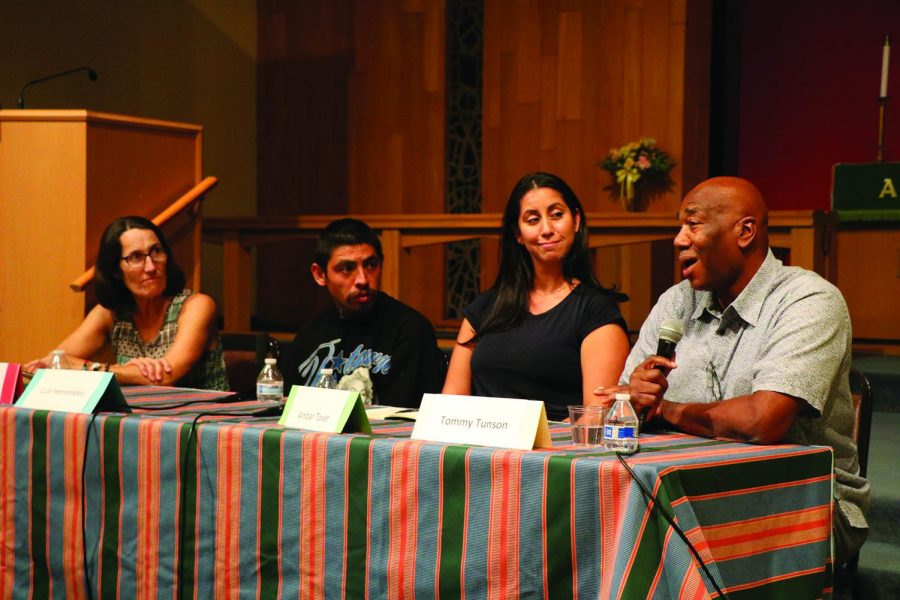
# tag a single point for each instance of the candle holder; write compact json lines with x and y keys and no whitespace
{"x":883,"y":94}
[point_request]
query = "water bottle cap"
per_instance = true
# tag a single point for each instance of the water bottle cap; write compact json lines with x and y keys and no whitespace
{"x":271,"y":361}
{"x":623,"y":397}
{"x":58,"y":352}
{"x":326,"y":371}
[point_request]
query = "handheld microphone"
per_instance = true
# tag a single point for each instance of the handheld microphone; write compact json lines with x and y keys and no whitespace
{"x":670,"y":333}
{"x":92,"y":75}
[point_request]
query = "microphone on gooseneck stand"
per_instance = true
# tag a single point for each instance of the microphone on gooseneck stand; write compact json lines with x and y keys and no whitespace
{"x":92,"y":75}
{"x":670,"y":333}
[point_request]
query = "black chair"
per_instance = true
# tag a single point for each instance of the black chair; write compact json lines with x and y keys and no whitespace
{"x":861,"y":394}
{"x":446,"y":353}
{"x":244,"y":357}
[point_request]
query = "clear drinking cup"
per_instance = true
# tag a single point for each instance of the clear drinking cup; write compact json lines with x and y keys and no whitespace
{"x":587,"y":424}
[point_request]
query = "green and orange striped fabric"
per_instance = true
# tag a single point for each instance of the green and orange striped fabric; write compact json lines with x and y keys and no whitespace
{"x":275,"y":513}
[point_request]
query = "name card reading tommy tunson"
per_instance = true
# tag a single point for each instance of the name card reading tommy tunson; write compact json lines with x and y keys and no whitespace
{"x":10,"y":382}
{"x":498,"y":422}
{"x":319,"y":409}
{"x":73,"y":391}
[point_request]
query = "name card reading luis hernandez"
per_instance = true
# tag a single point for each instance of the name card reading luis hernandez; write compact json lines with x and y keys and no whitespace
{"x":73,"y":391}
{"x":318,"y":409}
{"x":498,"y":422}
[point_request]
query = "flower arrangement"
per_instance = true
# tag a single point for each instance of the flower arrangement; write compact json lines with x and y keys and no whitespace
{"x":640,"y":166}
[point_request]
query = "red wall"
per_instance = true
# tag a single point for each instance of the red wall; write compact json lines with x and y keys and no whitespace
{"x":810,"y":76}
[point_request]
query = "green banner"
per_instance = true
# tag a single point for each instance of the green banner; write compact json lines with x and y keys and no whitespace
{"x":866,"y":192}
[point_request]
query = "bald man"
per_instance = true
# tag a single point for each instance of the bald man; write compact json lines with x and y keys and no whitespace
{"x":766,"y":348}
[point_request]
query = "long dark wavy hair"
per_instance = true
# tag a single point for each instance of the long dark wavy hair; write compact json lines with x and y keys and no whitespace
{"x":108,"y":283}
{"x":516,"y":275}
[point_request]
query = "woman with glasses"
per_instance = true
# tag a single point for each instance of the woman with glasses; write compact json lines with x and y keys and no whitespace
{"x":161,"y":333}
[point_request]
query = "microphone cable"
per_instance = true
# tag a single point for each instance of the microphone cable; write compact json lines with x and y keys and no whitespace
{"x":182,"y":404}
{"x":150,"y":409}
{"x":181,"y":521}
{"x":653,"y":505}
{"x":84,"y":553}
{"x":181,"y":518}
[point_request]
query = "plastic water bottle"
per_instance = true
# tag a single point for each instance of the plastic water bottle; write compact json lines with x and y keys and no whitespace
{"x":270,"y":383}
{"x":326,"y":380}
{"x":620,"y":430}
{"x":58,"y":360}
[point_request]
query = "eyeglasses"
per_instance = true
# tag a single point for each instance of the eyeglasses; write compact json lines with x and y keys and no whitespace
{"x":136,"y":260}
{"x":712,"y":381}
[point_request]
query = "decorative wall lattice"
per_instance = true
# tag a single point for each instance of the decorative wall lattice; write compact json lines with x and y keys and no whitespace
{"x":465,"y":33}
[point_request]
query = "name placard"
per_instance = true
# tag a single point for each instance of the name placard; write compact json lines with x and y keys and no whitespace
{"x":73,"y":391}
{"x":10,"y":382}
{"x":319,"y":409}
{"x":499,"y":422}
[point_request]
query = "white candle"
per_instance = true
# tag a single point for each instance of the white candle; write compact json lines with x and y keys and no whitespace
{"x":885,"y":60}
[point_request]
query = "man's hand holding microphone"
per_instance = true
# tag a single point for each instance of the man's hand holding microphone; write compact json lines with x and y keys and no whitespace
{"x":647,"y":384}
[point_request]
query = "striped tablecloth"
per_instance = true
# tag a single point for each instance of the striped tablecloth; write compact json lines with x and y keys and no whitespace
{"x":243,"y":508}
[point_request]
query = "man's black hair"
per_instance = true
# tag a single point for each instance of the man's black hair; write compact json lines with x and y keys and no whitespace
{"x":344,"y":232}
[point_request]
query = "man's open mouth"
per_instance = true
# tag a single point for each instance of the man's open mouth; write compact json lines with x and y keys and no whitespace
{"x":686,"y":264}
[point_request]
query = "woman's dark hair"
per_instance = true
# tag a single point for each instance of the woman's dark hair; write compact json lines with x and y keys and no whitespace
{"x":516,"y":275}
{"x":108,"y":283}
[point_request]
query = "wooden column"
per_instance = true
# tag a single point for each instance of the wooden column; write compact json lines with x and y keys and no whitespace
{"x":390,"y":274}
{"x":236,"y":285}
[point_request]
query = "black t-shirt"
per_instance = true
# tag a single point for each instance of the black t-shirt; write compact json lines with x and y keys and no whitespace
{"x":540,"y":359}
{"x":395,"y":342}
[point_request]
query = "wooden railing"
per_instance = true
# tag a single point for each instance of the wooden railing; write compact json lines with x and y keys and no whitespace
{"x":807,"y":235}
{"x":188,"y":200}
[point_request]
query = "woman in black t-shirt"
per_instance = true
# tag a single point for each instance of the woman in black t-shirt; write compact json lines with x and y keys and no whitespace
{"x":546,"y":330}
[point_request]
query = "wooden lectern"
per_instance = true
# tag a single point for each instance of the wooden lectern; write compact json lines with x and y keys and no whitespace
{"x":64,"y":175}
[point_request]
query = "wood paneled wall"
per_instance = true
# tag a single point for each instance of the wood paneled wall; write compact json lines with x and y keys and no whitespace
{"x":565,"y":81}
{"x":351,"y":119}
{"x":397,"y":97}
{"x":352,"y":116}
{"x":868,"y":274}
{"x":305,"y":59}
{"x":397,"y":107}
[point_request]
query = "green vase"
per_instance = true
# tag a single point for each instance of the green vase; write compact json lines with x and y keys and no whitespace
{"x":638,"y":203}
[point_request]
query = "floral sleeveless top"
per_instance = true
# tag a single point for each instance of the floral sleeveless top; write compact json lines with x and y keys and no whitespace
{"x":208,"y":373}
